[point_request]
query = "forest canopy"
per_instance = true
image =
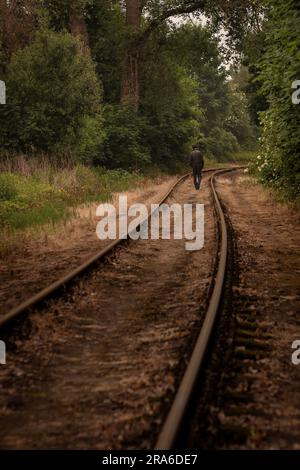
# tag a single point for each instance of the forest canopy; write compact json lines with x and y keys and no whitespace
{"x":132,"y":83}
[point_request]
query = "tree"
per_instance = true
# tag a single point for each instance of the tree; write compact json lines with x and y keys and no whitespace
{"x":279,"y":163}
{"x":238,"y":121}
{"x":16,"y":24}
{"x":69,"y":14}
{"x":173,"y":75}
{"x":224,"y":120}
{"x":52,"y":90}
{"x":78,"y":25}
{"x":130,"y":72}
{"x":169,"y":100}
{"x":108,"y":39}
{"x":222,"y":12}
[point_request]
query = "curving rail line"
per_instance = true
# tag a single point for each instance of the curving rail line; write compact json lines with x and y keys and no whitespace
{"x":173,"y":423}
{"x":53,"y":289}
{"x":175,"y":418}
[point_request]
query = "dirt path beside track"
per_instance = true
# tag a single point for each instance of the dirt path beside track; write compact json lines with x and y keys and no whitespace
{"x":257,"y":404}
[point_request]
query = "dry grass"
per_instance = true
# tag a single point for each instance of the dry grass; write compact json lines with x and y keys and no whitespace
{"x":81,"y":227}
{"x":28,"y":166}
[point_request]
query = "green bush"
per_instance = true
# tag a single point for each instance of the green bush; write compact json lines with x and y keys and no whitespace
{"x":279,"y":164}
{"x":7,"y":187}
{"x":221,"y":144}
{"x":169,"y":104}
{"x":53,"y":95}
{"x":24,"y":197}
{"x":238,"y":121}
{"x":124,"y":146}
{"x":91,"y":137}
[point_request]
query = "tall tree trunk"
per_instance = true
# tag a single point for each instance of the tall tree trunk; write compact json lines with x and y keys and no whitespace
{"x":3,"y":32}
{"x":79,"y":29}
{"x":130,"y":72}
{"x":16,"y":25}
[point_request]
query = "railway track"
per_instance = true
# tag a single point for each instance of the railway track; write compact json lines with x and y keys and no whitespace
{"x":173,"y":424}
{"x":53,"y":289}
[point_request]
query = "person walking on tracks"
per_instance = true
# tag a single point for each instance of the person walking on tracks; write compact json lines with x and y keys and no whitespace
{"x":197,"y":164}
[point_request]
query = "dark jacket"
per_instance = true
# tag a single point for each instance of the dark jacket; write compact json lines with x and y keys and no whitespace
{"x":196,"y":160}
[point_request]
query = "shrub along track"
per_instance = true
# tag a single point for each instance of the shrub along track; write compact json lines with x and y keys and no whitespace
{"x":96,"y":366}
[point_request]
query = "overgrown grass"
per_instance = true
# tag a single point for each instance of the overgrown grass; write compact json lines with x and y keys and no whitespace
{"x":34,"y":194}
{"x":210,"y":162}
{"x":244,"y":157}
{"x":48,"y":195}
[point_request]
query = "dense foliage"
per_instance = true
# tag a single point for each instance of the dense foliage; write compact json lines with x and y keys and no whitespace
{"x":65,"y":99}
{"x":53,"y":98}
{"x":278,"y":163}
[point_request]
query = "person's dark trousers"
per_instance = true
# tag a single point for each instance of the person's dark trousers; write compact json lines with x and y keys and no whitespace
{"x":197,"y":178}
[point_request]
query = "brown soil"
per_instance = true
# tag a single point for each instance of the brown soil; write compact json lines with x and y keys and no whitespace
{"x":99,"y":365}
{"x":258,"y":404}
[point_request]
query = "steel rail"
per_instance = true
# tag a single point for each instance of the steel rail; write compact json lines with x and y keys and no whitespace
{"x":172,"y":425}
{"x":53,"y":288}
